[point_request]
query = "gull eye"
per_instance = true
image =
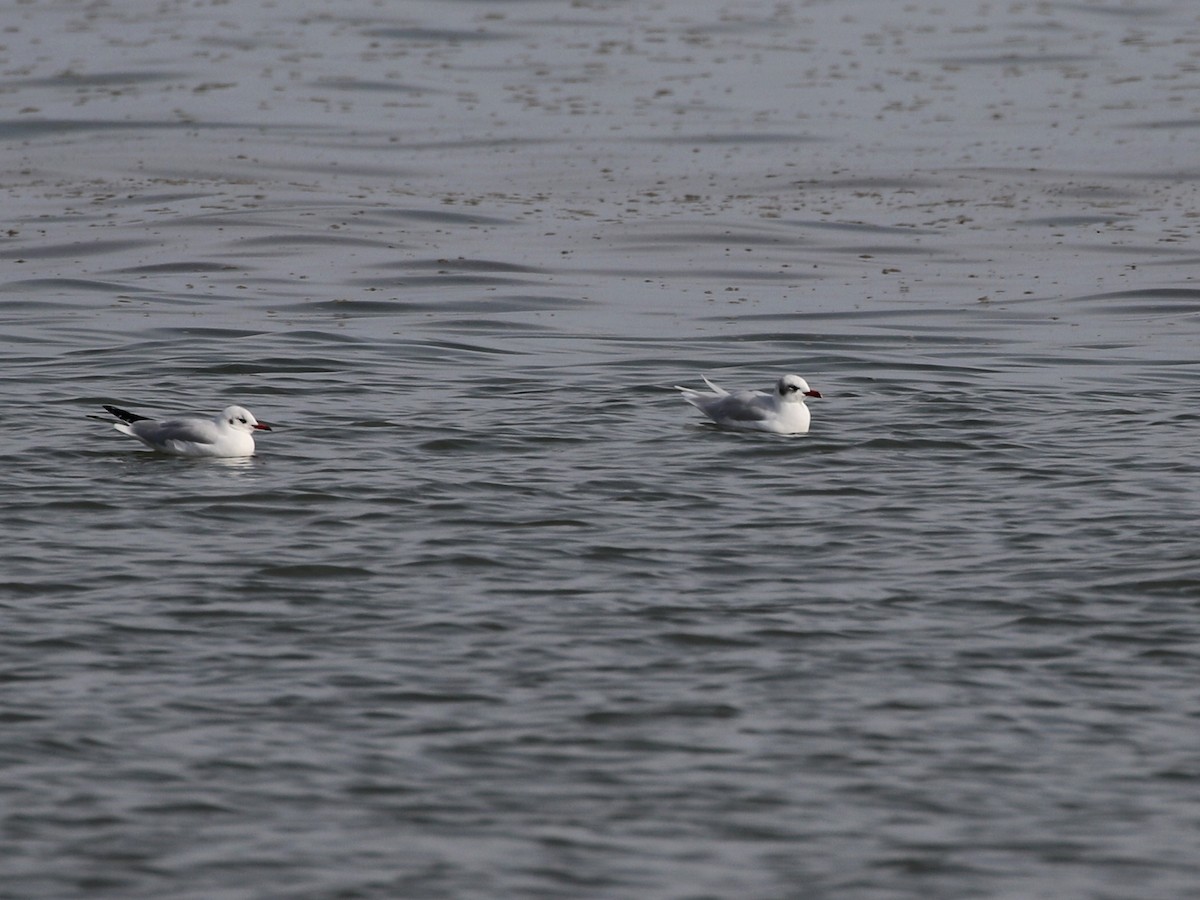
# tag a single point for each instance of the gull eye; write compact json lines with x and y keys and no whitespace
{"x":242,"y":419}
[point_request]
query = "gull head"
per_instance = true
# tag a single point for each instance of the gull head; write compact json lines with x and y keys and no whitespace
{"x":241,"y":419}
{"x":793,"y":388}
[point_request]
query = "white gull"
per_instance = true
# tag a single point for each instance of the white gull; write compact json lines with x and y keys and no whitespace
{"x":782,"y":411}
{"x":226,"y":435}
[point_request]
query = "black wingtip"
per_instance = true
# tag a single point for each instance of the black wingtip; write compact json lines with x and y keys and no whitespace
{"x":125,"y":415}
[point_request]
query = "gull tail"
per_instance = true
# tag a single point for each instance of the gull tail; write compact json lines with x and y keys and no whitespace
{"x":691,"y":393}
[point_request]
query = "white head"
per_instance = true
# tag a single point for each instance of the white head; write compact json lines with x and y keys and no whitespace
{"x":240,"y":419}
{"x":793,"y":389}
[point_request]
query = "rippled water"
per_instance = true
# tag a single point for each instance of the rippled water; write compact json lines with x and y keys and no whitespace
{"x":493,"y":613}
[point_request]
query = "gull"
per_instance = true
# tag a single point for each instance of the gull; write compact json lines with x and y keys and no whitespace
{"x":783,"y":411}
{"x":229,"y":434}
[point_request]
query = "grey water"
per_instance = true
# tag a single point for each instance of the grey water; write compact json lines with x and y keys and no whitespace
{"x":492,"y":612}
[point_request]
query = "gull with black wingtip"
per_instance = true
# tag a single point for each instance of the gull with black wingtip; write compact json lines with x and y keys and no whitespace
{"x":229,"y":434}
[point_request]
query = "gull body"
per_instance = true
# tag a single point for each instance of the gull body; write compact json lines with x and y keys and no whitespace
{"x":228,"y":434}
{"x":783,"y":411}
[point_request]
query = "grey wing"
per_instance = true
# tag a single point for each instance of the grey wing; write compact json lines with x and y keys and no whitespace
{"x":744,"y":406}
{"x":192,"y":431}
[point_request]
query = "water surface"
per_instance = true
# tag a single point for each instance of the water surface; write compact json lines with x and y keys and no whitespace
{"x":492,"y":612}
